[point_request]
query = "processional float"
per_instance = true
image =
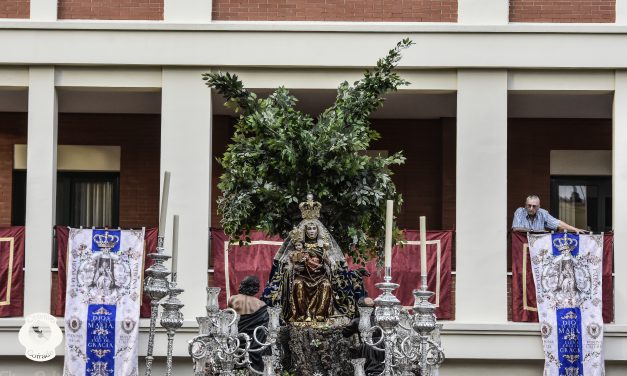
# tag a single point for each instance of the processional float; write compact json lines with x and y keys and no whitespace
{"x":410,"y":341}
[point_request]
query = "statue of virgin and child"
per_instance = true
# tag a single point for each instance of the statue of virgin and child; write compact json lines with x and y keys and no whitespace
{"x":310,"y":278}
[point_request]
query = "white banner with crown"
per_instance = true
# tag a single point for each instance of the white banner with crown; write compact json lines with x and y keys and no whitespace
{"x":567,"y":271}
{"x":103,"y":297}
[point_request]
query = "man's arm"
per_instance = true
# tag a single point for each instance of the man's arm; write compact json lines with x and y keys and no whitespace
{"x":517,"y":224}
{"x":565,"y":226}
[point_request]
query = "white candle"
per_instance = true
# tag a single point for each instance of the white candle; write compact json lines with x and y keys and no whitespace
{"x":423,"y":246}
{"x":175,"y":243}
{"x":387,"y":247}
{"x":164,"y":202}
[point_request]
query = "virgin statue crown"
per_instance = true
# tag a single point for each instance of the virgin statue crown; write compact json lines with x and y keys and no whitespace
{"x":310,"y":209}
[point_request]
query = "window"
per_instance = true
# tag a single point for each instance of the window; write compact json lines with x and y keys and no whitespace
{"x":583,"y":201}
{"x":88,"y":199}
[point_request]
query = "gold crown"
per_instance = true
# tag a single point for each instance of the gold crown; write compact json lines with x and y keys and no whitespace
{"x":106,"y":240}
{"x":564,"y":244}
{"x":297,"y":235}
{"x":310,"y":209}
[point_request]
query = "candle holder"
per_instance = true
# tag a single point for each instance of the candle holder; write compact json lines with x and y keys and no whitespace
{"x":407,"y":338}
{"x":220,"y":348}
{"x":171,"y":320}
{"x":358,"y":365}
{"x":156,"y":287}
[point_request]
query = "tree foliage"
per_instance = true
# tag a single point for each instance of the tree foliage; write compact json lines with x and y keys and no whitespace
{"x":278,"y":155}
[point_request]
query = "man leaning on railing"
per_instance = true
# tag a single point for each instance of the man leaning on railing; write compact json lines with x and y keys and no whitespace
{"x":535,"y":219}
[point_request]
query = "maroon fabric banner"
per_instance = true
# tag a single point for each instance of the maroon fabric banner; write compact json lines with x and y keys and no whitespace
{"x":12,"y":271}
{"x":256,"y":259}
{"x":150,"y":246}
{"x":62,"y":233}
{"x":524,"y":307}
{"x":406,"y":270}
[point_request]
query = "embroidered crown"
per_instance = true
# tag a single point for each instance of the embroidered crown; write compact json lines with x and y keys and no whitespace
{"x":310,"y":209}
{"x":565,"y":244}
{"x":106,"y":240}
{"x":102,"y":311}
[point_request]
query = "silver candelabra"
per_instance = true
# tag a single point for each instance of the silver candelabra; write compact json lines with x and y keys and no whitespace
{"x":172,"y":319}
{"x":157,"y":287}
{"x":219,"y":348}
{"x":410,"y":341}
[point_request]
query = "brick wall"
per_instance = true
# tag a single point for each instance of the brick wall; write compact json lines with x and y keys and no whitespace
{"x":529,"y":146}
{"x":336,"y":10}
{"x":13,"y":127}
{"x":584,"y":11}
{"x":14,"y":8}
{"x":110,"y":9}
{"x":139,"y":137}
{"x":419,"y":180}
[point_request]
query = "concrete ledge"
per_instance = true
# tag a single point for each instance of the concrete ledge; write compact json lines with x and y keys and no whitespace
{"x":321,"y":26}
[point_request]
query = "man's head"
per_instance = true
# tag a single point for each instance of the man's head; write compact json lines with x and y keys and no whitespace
{"x":249,"y":286}
{"x":532,"y":204}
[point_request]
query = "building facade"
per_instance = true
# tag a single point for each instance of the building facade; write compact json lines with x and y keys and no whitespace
{"x":506,"y":98}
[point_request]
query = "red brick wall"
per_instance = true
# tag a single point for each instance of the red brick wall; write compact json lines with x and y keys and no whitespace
{"x":139,"y":138}
{"x":13,"y":129}
{"x":529,"y":146}
{"x":14,"y":8}
{"x":419,"y":180}
{"x":562,"y":11}
{"x":111,"y":9}
{"x":336,"y":10}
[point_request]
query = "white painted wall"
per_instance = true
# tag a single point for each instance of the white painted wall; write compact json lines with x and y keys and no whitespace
{"x":41,"y":181}
{"x":619,"y":196}
{"x":481,"y":232}
{"x":455,"y":46}
{"x":186,"y":153}
{"x":581,"y":162}
{"x":165,"y":59}
{"x":483,"y":12}
{"x":187,"y":10}
{"x":76,"y":157}
{"x":43,"y":10}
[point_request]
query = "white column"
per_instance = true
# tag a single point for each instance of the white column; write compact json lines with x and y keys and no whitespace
{"x":41,"y":184}
{"x":186,"y":153}
{"x":483,"y":12}
{"x":621,"y":12}
{"x":481,"y":286}
{"x":43,"y":10}
{"x":619,"y":196}
{"x":187,"y":10}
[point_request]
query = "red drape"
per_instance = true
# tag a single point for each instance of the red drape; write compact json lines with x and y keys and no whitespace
{"x":150,"y":246}
{"x":524,"y":308}
{"x":12,"y":271}
{"x":406,"y":270}
{"x":62,"y":233}
{"x":256,"y":259}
